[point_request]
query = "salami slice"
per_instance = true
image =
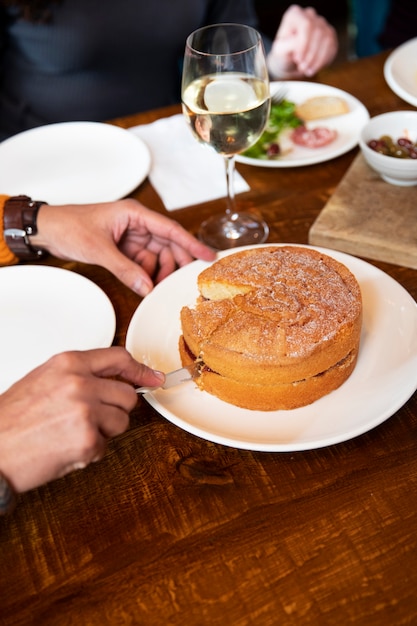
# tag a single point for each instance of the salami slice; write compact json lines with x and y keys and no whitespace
{"x":314,"y":137}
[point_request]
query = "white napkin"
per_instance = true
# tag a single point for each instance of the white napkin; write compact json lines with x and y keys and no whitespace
{"x":183,"y":171}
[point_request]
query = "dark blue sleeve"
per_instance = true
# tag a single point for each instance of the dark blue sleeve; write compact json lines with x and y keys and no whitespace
{"x":240,"y":11}
{"x":2,"y":31}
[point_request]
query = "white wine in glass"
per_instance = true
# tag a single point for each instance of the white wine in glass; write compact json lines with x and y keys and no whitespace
{"x":225,"y":98}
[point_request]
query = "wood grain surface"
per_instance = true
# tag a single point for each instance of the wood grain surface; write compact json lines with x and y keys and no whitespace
{"x":172,"y":530}
{"x":368,"y":217}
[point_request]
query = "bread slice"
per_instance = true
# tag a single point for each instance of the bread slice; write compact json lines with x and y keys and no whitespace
{"x":321,"y":106}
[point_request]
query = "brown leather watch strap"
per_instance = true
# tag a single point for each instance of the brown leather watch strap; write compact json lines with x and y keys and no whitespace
{"x":19,"y":222}
{"x":7,"y":496}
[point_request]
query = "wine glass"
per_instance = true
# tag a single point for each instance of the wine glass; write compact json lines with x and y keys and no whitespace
{"x":225,"y":99}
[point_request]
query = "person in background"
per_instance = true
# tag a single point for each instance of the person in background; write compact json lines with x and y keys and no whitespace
{"x":59,"y":417}
{"x":383,"y":24}
{"x":96,"y":60}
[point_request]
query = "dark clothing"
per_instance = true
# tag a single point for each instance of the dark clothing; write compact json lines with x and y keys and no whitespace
{"x":99,"y":59}
{"x":401,"y":23}
{"x":383,"y":24}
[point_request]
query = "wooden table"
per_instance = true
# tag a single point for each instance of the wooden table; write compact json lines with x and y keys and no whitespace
{"x":170,"y":529}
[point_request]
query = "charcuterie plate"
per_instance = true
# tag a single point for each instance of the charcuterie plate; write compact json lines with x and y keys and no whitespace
{"x":347,"y":126}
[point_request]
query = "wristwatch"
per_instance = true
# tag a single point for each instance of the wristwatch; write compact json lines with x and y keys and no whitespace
{"x":7,"y":497}
{"x":19,"y":223}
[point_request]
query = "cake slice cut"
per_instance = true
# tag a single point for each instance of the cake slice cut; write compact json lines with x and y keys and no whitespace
{"x":275,"y":327}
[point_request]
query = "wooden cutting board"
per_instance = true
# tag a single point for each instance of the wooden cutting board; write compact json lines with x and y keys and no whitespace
{"x":370,"y":218}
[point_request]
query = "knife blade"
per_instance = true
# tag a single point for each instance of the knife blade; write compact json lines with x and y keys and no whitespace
{"x":174,"y":378}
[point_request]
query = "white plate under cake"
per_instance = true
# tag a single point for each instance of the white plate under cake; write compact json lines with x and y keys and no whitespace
{"x":384,"y":378}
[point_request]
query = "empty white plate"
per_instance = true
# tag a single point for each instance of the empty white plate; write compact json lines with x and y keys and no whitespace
{"x":400,"y":71}
{"x":46,"y":310}
{"x":73,"y":162}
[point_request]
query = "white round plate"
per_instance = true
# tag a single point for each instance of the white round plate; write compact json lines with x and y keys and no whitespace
{"x":400,"y":71}
{"x":73,"y":162}
{"x":46,"y":310}
{"x":383,"y":380}
{"x":348,"y":126}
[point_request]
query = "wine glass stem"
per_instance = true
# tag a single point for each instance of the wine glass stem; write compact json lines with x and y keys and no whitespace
{"x":230,"y":182}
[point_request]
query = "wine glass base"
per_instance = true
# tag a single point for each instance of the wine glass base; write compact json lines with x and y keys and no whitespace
{"x":230,"y":231}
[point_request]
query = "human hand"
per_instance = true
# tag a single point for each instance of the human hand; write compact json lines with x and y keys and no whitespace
{"x":305,"y":42}
{"x":59,"y":417}
{"x":134,"y":243}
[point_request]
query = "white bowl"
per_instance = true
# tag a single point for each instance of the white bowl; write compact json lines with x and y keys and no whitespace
{"x":396,"y":124}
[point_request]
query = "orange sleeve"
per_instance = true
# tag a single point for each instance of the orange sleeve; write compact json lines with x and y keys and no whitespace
{"x":6,"y":255}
